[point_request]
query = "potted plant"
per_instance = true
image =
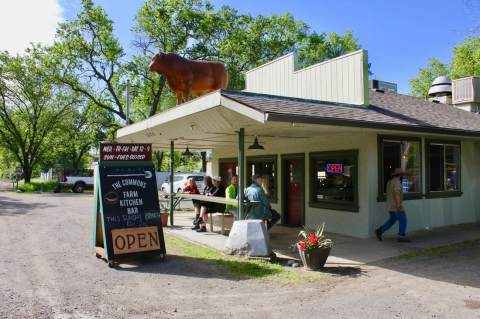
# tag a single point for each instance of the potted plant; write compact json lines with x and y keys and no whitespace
{"x":164,"y":217}
{"x":313,"y":247}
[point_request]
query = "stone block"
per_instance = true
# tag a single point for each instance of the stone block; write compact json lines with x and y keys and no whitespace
{"x":248,"y":238}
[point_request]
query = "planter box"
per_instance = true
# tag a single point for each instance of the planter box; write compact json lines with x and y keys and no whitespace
{"x":164,"y":219}
{"x":314,"y":259}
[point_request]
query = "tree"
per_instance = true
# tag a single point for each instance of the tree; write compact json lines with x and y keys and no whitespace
{"x":420,"y":84}
{"x":90,"y":60}
{"x":31,"y":107}
{"x":79,"y":133}
{"x":466,"y":59}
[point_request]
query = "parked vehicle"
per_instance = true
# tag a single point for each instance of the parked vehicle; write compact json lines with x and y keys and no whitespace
{"x":78,"y":182}
{"x":180,"y":179}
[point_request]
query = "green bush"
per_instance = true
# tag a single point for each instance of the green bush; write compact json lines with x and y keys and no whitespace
{"x":36,"y":186}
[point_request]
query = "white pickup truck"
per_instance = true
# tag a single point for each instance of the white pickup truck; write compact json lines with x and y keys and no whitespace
{"x":77,"y":183}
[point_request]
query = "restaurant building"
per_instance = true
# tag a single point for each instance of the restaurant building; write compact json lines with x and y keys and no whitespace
{"x":329,"y":144}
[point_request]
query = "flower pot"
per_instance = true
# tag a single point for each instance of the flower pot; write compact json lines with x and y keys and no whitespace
{"x":314,"y":259}
{"x":164,"y":219}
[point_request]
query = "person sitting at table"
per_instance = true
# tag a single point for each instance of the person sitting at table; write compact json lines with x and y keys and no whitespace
{"x":209,"y":207}
{"x":231,"y":192}
{"x":207,"y":189}
{"x":255,"y":193}
{"x":191,"y":188}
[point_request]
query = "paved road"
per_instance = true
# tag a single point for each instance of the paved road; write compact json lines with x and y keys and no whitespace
{"x":48,"y":270}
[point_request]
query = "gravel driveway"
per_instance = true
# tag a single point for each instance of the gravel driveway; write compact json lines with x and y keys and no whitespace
{"x":48,"y":270}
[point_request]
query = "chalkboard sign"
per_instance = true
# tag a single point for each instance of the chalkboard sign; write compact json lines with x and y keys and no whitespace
{"x":127,"y":210}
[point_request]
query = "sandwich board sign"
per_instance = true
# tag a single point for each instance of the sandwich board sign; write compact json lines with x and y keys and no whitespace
{"x":127,"y":211}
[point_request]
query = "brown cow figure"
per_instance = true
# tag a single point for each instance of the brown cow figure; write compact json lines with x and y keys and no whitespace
{"x":186,"y":77}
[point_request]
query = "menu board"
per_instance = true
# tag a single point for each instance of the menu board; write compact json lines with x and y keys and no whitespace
{"x":127,"y":211}
{"x":131,"y":212}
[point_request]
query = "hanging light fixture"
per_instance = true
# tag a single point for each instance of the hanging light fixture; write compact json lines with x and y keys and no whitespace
{"x":187,"y":153}
{"x":256,"y":145}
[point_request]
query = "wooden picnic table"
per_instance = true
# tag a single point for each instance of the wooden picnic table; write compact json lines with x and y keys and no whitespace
{"x":212,"y":199}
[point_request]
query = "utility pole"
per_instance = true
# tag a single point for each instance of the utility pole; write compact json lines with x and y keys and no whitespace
{"x":128,"y":103}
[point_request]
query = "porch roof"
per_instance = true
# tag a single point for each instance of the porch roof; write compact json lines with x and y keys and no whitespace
{"x":211,"y":120}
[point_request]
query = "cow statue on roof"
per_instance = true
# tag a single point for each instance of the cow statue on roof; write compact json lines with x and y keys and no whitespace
{"x":186,"y":77}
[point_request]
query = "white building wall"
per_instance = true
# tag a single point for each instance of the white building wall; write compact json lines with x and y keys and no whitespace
{"x":343,"y":79}
{"x":421,"y":213}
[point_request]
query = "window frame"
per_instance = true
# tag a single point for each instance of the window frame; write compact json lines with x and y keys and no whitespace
{"x":444,"y":193}
{"x":352,"y":207}
{"x":381,"y":196}
{"x":261,"y":158}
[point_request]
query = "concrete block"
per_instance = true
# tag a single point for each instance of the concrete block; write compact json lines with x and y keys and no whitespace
{"x":227,"y":221}
{"x":248,"y":238}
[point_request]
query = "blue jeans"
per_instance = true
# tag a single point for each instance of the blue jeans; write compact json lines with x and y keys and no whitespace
{"x":402,"y":222}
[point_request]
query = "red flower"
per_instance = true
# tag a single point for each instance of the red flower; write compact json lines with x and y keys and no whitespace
{"x":313,"y":239}
{"x":302,"y":245}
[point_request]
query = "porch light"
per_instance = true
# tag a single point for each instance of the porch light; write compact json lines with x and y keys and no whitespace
{"x":256,"y":145}
{"x":187,"y":153}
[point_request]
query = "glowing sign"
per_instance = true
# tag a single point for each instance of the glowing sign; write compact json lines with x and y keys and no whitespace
{"x":334,"y":168}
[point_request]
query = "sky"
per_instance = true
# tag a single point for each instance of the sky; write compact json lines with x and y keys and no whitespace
{"x":399,"y":35}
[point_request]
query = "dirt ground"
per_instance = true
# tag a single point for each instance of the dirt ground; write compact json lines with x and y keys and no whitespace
{"x":48,"y":270}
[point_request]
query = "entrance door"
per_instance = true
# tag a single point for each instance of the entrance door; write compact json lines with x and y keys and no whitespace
{"x":227,"y":170}
{"x":294,"y":190}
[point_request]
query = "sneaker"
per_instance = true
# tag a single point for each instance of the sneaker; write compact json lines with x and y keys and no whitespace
{"x":197,"y":226}
{"x":202,"y":230}
{"x":378,"y":233}
{"x":403,"y":239}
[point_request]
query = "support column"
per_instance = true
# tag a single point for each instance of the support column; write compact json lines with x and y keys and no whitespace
{"x":172,"y":150}
{"x":241,"y":172}
{"x":204,"y":161}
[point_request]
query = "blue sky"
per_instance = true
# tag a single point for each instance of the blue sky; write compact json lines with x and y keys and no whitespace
{"x":400,"y":36}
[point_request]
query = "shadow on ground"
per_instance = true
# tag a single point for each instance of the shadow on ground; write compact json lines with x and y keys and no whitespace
{"x":227,"y":269}
{"x":457,"y":264}
{"x":12,"y":207}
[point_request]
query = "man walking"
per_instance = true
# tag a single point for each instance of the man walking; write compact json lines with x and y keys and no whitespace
{"x":395,"y":207}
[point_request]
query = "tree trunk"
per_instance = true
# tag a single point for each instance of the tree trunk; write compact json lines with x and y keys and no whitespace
{"x":159,"y":157}
{"x":27,"y":174}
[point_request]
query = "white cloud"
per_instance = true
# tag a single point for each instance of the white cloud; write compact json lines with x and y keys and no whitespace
{"x":26,"y":21}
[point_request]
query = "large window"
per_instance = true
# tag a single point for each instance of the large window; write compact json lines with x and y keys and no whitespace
{"x":404,"y":153}
{"x":443,"y":169}
{"x":266,"y":166}
{"x":333,"y":180}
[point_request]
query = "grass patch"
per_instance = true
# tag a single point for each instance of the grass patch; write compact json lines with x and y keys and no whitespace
{"x":239,"y":267}
{"x":443,"y":250}
{"x":36,"y":186}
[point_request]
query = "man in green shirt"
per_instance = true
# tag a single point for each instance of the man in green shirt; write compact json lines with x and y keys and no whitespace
{"x":231,"y":192}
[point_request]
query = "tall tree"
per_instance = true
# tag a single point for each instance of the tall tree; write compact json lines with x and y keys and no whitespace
{"x":90,"y":59}
{"x":31,"y":107}
{"x":420,"y":84}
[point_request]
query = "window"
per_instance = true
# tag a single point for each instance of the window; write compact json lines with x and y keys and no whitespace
{"x":266,"y":166}
{"x":404,"y":153}
{"x":443,"y":161}
{"x":333,"y":178}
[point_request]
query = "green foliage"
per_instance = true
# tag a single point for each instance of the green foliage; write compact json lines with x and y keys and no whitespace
{"x":466,"y":59}
{"x":420,"y":84}
{"x":31,"y":107}
{"x":465,"y":62}
{"x":36,"y":186}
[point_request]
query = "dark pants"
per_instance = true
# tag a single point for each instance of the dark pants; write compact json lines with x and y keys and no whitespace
{"x":275,"y":218}
{"x":402,"y":222}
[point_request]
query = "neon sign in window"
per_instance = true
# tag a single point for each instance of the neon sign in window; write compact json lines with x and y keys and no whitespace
{"x":334,"y":168}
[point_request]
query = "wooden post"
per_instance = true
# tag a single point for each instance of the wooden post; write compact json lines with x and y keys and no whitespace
{"x":172,"y":150}
{"x":241,"y":171}
{"x":204,"y":161}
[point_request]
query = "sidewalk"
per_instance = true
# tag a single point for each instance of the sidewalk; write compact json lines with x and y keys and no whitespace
{"x":347,"y":250}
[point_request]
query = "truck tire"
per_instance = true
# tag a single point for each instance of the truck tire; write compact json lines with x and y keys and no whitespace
{"x":79,"y":187}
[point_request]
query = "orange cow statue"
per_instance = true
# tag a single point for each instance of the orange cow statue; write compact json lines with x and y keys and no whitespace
{"x":186,"y":77}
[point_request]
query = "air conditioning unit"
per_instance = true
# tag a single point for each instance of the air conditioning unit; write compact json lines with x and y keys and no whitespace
{"x":466,"y":93}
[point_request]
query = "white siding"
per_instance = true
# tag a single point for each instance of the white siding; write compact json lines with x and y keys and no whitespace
{"x":343,"y":79}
